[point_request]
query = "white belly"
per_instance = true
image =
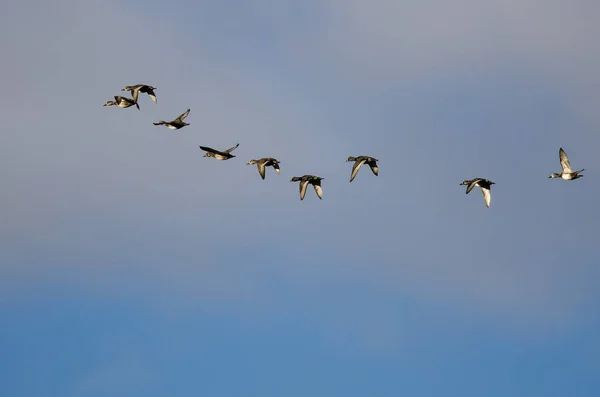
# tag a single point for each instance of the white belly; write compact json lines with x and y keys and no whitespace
{"x":567,"y":177}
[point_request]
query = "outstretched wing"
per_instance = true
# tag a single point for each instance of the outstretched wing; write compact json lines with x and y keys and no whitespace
{"x":318,"y":189}
{"x":564,"y":161}
{"x":183,"y":115}
{"x":374,"y":168}
{"x":487,"y":196}
{"x":355,"y":168}
{"x":231,"y":149}
{"x":303,"y":185}
{"x":208,"y":149}
{"x":146,"y":89}
{"x":261,"y":169}
{"x":472,"y":185}
{"x":135,"y":91}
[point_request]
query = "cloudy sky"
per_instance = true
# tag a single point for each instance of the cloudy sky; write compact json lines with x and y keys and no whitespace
{"x":131,"y":265}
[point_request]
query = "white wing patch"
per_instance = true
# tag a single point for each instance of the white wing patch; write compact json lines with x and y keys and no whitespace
{"x":303,"y":185}
{"x":487,"y":196}
{"x":374,"y":169}
{"x":319,"y":191}
{"x":355,"y":169}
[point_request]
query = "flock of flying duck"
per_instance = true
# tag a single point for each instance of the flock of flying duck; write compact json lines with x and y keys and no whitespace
{"x":484,"y":184}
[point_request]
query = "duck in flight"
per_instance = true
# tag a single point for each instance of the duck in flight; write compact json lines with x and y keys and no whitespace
{"x":122,"y":102}
{"x":143,"y":88}
{"x":305,"y":180}
{"x":359,"y":161}
{"x":177,"y":123}
{"x":485,"y":186}
{"x":263,"y":163}
{"x":567,"y":172}
{"x":219,"y":155}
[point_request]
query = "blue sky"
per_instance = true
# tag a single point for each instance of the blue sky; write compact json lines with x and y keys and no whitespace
{"x":130,"y":265}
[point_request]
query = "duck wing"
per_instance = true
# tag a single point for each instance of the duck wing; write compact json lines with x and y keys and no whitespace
{"x":135,"y":91}
{"x":231,"y":149}
{"x":564,"y":161}
{"x":150,"y":91}
{"x":276,"y":167}
{"x":303,"y":185}
{"x":473,"y":183}
{"x":487,"y":196}
{"x":374,"y":168}
{"x":182,"y":116}
{"x":318,"y":189}
{"x":355,"y":168}
{"x":261,"y":168}
{"x":146,"y":89}
{"x":208,"y":149}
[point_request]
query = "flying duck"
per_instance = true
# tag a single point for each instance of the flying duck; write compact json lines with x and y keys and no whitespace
{"x":122,"y":102}
{"x":305,"y":180}
{"x":359,"y":161}
{"x":219,"y":155}
{"x":567,"y":173}
{"x":485,"y":186}
{"x":177,"y":123}
{"x":143,"y":88}
{"x":263,"y":163}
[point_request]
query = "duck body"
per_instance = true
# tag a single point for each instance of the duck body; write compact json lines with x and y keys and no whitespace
{"x":218,"y":154}
{"x":567,"y":172}
{"x":485,"y":186}
{"x":263,"y":163}
{"x":122,"y":102}
{"x":143,"y":88}
{"x":309,"y":179}
{"x":359,"y":161}
{"x":177,"y":123}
